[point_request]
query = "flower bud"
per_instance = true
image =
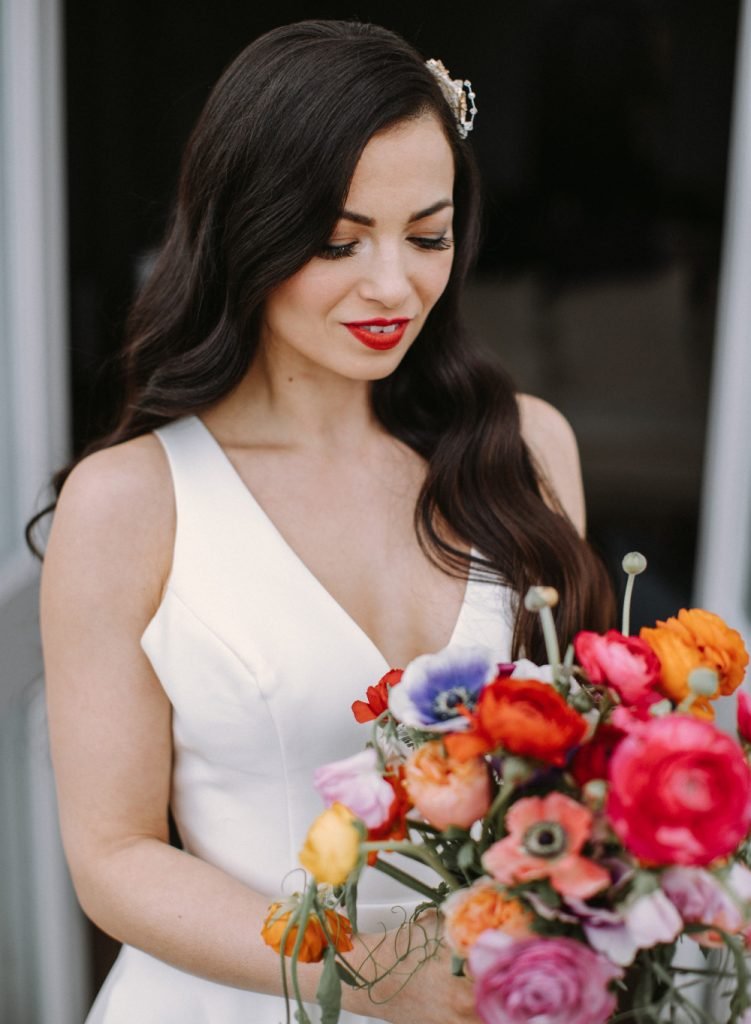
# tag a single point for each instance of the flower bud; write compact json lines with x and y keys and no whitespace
{"x":581,"y":702}
{"x":703,"y":682}
{"x":634,"y":563}
{"x":662,"y":707}
{"x":538,"y":598}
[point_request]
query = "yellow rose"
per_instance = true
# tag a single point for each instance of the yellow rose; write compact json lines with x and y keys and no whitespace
{"x":332,"y":846}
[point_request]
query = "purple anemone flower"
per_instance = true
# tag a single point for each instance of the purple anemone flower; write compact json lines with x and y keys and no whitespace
{"x":435,"y":687}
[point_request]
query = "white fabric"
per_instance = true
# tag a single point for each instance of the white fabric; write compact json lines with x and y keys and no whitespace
{"x":261,"y":666}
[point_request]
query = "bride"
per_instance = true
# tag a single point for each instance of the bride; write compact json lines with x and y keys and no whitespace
{"x":313,"y":477}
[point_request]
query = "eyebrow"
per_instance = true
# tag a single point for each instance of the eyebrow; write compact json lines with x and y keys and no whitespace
{"x":369,"y":222}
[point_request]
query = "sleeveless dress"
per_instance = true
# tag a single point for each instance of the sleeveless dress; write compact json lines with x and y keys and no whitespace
{"x":261,"y":666}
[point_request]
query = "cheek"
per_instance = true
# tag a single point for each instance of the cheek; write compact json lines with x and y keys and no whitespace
{"x":434,"y":279}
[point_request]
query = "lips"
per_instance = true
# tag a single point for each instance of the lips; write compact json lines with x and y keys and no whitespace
{"x":378,"y":334}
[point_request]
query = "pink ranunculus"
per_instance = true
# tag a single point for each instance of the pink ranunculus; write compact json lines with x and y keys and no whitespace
{"x":641,"y":924}
{"x":702,"y":899}
{"x":744,"y":715}
{"x":557,"y":980}
{"x":625,"y":663}
{"x":357,"y":783}
{"x":680,"y":792}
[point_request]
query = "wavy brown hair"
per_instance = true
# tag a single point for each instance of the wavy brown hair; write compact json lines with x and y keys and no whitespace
{"x":264,"y":177}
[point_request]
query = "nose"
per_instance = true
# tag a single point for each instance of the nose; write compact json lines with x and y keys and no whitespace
{"x":386,"y":279}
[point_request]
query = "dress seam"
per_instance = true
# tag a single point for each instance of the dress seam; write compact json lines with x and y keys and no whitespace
{"x":170,"y":589}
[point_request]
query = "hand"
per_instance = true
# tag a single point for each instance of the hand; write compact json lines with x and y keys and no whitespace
{"x":416,"y":983}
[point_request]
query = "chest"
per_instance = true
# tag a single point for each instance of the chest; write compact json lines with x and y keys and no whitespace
{"x":352,"y":528}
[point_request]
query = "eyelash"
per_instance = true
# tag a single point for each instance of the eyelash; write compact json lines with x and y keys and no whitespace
{"x":338,"y":252}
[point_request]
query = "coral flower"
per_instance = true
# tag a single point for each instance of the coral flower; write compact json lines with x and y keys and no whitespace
{"x":377,"y":697}
{"x":544,"y":840}
{"x":469,"y":912}
{"x":332,"y":846}
{"x":446,"y":791}
{"x":680,"y":792}
{"x":314,"y":940}
{"x":696,"y":639}
{"x":525,"y":717}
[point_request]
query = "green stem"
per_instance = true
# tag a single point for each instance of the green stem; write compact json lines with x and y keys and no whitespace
{"x":501,"y":799}
{"x":409,"y":880}
{"x":425,"y":855}
{"x":551,"y":639}
{"x":305,"y":907}
{"x":626,"y":621}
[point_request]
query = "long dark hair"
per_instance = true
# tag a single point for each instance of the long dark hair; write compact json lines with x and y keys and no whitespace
{"x":264,"y":176}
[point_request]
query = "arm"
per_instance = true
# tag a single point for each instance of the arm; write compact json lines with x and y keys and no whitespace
{"x":110,"y":731}
{"x":552,"y":443}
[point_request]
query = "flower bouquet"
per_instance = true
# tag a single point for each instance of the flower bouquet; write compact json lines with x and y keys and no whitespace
{"x":580,"y":819}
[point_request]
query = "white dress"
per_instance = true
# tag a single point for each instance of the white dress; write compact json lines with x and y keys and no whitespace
{"x":261,"y":666}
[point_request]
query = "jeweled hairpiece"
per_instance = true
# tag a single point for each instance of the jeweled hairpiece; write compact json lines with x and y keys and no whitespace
{"x":459,"y":96}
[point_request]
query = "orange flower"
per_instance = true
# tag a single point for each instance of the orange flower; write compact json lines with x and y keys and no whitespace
{"x":696,"y":639}
{"x":525,"y":717}
{"x":444,"y":790}
{"x":469,"y":912}
{"x":314,"y":940}
{"x":395,"y":826}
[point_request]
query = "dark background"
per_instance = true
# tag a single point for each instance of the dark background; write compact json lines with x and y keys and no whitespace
{"x":602,"y":139}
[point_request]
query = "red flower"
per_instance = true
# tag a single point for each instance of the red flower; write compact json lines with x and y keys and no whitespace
{"x":525,"y":717}
{"x":744,"y":715}
{"x":592,"y":760}
{"x":377,"y":697}
{"x":680,"y":792}
{"x":625,"y":663}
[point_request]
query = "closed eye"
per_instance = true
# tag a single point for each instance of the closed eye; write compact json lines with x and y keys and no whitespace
{"x":433,"y":244}
{"x":337,"y":252}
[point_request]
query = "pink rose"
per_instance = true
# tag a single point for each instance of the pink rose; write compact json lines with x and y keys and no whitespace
{"x":625,"y":663}
{"x":744,"y":715}
{"x":680,"y":792}
{"x":357,"y":783}
{"x":701,"y":899}
{"x":559,"y":981}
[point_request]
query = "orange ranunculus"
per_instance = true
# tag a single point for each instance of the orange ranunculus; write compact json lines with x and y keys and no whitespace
{"x":377,"y":697}
{"x":525,"y":717}
{"x":395,"y":826}
{"x":445,"y":790}
{"x":332,"y":846}
{"x":314,"y":940}
{"x":469,"y":912}
{"x":696,"y":639}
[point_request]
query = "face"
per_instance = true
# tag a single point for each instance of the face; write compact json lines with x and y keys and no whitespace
{"x":355,"y":309}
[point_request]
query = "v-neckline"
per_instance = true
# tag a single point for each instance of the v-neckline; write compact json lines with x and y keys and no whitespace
{"x":297,"y":560}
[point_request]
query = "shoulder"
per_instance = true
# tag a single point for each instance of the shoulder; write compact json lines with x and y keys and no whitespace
{"x":552,"y":442}
{"x":115,"y":517}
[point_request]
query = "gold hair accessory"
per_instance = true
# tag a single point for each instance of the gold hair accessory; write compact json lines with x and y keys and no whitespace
{"x":458,"y":94}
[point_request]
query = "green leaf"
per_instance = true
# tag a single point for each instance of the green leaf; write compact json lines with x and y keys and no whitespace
{"x":346,"y":974}
{"x":457,"y":966}
{"x":465,"y":859}
{"x":329,"y":992}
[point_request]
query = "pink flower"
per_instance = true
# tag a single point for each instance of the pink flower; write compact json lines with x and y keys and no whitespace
{"x":641,"y":924}
{"x":558,"y":981}
{"x":744,"y":715}
{"x":702,"y":899}
{"x":625,"y":663}
{"x":544,"y":840}
{"x":357,"y":783}
{"x":444,"y":790}
{"x":680,"y":792}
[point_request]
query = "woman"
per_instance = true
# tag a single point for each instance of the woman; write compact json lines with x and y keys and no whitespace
{"x":330,"y":460}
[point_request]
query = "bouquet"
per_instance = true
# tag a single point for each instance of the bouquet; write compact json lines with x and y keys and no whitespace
{"x":580,"y":818}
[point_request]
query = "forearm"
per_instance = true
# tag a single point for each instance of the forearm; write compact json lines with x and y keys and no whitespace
{"x":194,"y":916}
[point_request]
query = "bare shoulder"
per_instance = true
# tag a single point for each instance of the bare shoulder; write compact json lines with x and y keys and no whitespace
{"x":115,"y":517}
{"x":552,"y":442}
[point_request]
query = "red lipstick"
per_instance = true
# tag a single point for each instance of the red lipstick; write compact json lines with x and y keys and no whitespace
{"x":380,"y":340}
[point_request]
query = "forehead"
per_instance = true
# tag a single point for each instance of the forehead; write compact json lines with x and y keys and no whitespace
{"x":405,"y":168}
